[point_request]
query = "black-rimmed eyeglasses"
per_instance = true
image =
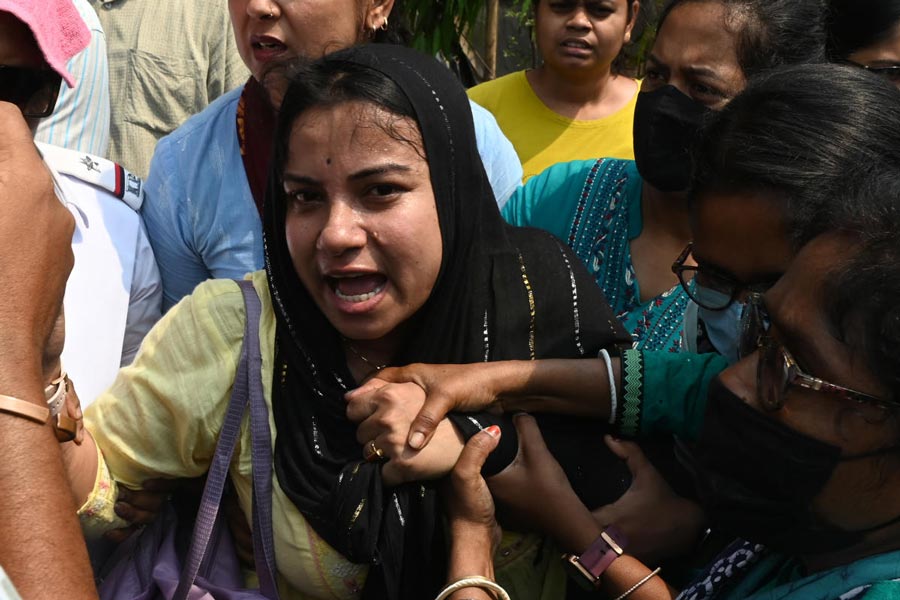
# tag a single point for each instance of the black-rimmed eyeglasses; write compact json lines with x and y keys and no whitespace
{"x":710,"y":290}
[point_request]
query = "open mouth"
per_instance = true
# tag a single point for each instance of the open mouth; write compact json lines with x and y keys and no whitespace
{"x":357,"y":288}
{"x":267,"y":44}
{"x":577,"y":44}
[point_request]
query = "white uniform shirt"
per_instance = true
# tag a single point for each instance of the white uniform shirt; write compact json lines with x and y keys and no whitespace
{"x":113,"y":296}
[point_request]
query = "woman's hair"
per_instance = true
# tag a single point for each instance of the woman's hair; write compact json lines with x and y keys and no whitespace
{"x":862,"y":292}
{"x":856,"y":24}
{"x":807,"y":135}
{"x":770,"y":33}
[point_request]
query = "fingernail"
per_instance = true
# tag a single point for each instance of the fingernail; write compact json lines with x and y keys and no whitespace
{"x":416,"y":440}
{"x":493,"y":430}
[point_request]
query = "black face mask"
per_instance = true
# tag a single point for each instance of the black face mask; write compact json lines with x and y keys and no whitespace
{"x":666,"y":123}
{"x":756,"y":478}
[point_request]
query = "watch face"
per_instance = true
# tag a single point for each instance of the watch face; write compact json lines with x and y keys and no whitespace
{"x":575,"y":570}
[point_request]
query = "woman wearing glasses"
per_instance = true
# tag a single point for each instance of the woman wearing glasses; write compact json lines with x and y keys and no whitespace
{"x":627,"y":220}
{"x":759,"y":196}
{"x":866,"y":33}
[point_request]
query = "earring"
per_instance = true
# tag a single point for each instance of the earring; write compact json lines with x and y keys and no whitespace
{"x":384,"y":25}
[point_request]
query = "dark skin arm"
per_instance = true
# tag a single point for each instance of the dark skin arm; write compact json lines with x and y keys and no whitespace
{"x":43,"y":550}
{"x":578,"y":387}
{"x":474,"y":533}
{"x":534,"y":490}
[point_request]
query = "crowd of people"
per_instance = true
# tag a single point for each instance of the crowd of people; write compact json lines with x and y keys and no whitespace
{"x":648,"y":325}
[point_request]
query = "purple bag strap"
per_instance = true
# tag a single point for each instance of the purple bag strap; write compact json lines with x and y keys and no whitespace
{"x":247,"y":390}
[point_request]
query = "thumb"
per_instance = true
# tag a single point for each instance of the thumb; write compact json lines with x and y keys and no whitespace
{"x":530,"y":438}
{"x":630,"y":452}
{"x":422,"y":428}
{"x":476,"y":451}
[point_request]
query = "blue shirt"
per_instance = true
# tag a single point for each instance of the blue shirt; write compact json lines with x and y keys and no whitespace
{"x":199,"y":212}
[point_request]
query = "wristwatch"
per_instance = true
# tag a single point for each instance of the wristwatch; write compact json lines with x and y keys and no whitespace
{"x":587,"y":568}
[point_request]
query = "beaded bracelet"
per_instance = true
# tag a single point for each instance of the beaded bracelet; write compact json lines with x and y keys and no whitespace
{"x":474,"y":581}
{"x":633,"y":588}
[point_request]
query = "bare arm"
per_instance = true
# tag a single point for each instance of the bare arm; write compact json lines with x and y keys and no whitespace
{"x":578,"y":387}
{"x":43,"y":549}
{"x":534,"y":490}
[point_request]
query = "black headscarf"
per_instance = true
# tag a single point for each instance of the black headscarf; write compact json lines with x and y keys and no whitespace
{"x":501,"y":293}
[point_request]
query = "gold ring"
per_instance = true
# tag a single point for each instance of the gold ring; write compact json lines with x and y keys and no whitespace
{"x":373,"y":453}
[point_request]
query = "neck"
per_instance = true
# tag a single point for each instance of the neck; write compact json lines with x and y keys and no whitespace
{"x":878,"y":542}
{"x":666,"y":211}
{"x":570,"y":88}
{"x":364,"y":357}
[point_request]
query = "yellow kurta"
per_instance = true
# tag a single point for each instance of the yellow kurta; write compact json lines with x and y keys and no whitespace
{"x":162,"y":416}
{"x":542,"y":137}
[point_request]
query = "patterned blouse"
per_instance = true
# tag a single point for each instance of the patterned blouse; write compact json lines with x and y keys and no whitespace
{"x":595,"y":207}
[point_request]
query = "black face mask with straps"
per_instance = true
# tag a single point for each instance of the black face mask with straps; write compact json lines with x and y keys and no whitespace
{"x":757,"y":478}
{"x":666,"y":124}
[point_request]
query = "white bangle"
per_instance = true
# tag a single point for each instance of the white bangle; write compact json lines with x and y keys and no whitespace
{"x":474,"y":581}
{"x":613,"y":399}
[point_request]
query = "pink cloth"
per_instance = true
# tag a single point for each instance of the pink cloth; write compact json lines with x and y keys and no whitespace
{"x":58,"y":28}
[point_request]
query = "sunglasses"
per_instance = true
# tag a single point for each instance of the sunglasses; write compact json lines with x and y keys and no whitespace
{"x":708,"y":289}
{"x":34,"y":91}
{"x":891,"y":72}
{"x":777,"y":371}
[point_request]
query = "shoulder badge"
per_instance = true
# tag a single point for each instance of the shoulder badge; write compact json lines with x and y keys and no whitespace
{"x":97,"y":171}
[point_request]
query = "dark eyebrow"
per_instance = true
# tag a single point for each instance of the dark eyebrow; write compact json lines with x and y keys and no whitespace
{"x":302,"y":179}
{"x":365,"y":173}
{"x":709,"y":266}
{"x":380,"y":170}
{"x":700,"y":71}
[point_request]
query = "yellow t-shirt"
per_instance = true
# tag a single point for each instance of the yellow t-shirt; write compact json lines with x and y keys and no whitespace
{"x":542,"y":137}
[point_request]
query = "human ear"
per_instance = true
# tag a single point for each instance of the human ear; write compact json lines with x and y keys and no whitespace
{"x":378,"y":13}
{"x":635,"y":10}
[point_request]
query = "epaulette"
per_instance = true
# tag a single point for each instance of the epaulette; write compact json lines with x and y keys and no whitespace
{"x":100,"y":172}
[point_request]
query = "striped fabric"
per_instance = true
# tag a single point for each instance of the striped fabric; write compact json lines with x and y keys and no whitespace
{"x":81,"y":119}
{"x":168,"y":59}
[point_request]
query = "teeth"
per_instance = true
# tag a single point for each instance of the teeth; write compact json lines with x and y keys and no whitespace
{"x":359,"y":297}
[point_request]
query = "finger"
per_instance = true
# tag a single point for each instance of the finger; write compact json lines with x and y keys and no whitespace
{"x":361,"y":408}
{"x":476,"y":452}
{"x":530,"y":437}
{"x":630,"y":452}
{"x":430,"y":415}
{"x":134,"y":515}
{"x":369,"y":386}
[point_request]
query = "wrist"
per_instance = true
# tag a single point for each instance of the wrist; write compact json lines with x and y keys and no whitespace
{"x":587,"y":567}
{"x":471,"y":551}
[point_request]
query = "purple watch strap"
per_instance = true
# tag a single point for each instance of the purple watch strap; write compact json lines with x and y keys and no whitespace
{"x":597,"y":558}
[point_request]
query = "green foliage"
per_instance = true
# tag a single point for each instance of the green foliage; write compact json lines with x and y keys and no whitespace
{"x":436,"y":25}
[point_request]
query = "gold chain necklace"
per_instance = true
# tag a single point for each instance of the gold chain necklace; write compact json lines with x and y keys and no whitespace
{"x":372,"y":364}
